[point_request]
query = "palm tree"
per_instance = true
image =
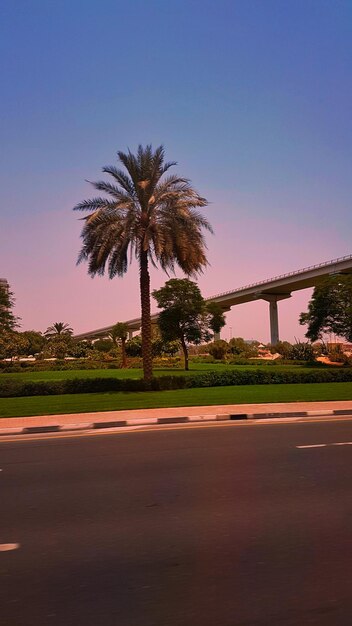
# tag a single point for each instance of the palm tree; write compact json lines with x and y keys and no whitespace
{"x":147,"y":215}
{"x":59,"y":328}
{"x":119,"y":332}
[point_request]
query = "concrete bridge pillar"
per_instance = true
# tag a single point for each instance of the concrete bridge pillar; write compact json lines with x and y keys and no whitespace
{"x":274,"y":322}
{"x":273,"y":299}
{"x":130,"y":335}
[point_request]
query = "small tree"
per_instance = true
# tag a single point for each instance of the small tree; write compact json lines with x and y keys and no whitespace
{"x":80,"y":349}
{"x":119,"y":334}
{"x":167,"y":348}
{"x":330,"y":309}
{"x":8,"y":321}
{"x":103,"y":345}
{"x":35,"y":342}
{"x":284,"y":348}
{"x":218,"y":349}
{"x":58,"y":346}
{"x":12,"y":345}
{"x":134,"y":346}
{"x":239,"y":347}
{"x":216,"y":316}
{"x":184,"y":317}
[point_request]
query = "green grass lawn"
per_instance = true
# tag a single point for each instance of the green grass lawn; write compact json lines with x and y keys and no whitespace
{"x":80,"y":403}
{"x":195,"y":368}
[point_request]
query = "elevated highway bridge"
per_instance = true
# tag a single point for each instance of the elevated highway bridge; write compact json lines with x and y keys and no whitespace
{"x":271,"y":290}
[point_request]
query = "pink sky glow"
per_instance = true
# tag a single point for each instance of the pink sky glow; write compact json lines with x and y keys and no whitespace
{"x":263,"y":132}
{"x":39,"y":254}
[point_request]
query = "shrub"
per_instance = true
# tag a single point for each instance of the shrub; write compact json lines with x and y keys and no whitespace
{"x":336,"y":354}
{"x":134,"y":346}
{"x":282,"y":347}
{"x":167,"y":362}
{"x":218,"y":349}
{"x":56,"y":365}
{"x":302,"y":351}
{"x":261,"y":376}
{"x":103,"y":345}
{"x":202,"y":358}
{"x":239,"y":347}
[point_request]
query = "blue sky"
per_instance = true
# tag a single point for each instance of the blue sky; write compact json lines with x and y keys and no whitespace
{"x":252,"y":98}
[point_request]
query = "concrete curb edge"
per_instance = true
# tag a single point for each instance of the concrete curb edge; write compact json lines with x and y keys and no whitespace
{"x":148,"y":421}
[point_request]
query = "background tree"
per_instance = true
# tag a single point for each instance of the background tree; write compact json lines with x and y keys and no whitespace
{"x":164,"y":348}
{"x":103,"y":345}
{"x":218,"y":349}
{"x":8,"y":321}
{"x":58,"y":346}
{"x":12,"y":345}
{"x":216,"y":316}
{"x":160,"y":347}
{"x":239,"y":347}
{"x":80,"y":349}
{"x":146,"y":215}
{"x":134,"y":346}
{"x":59,"y":328}
{"x":119,"y":334}
{"x":35,"y":342}
{"x":184,"y":316}
{"x":330,"y":309}
{"x":284,"y":348}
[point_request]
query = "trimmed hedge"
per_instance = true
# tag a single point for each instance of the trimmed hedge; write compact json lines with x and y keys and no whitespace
{"x":15,"y":367}
{"x":82,"y":364}
{"x":12,"y":388}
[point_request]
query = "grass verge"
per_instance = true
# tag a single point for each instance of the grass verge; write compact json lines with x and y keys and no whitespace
{"x":241,"y":394}
{"x":197,"y":368}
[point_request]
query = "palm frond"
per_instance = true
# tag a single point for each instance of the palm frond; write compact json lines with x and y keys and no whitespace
{"x":93,"y":204}
{"x":117,"y":193}
{"x":124,"y":181}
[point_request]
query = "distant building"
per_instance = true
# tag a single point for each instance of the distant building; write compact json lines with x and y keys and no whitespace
{"x":342,"y":346}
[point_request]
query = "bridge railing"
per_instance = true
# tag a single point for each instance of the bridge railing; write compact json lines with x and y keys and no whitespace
{"x":348,"y":257}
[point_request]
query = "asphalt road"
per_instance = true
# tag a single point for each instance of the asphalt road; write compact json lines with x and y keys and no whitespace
{"x":226,"y":525}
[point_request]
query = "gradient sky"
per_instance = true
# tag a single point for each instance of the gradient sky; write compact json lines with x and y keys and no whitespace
{"x":251,"y":97}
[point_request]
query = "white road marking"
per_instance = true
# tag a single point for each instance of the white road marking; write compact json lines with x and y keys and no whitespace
{"x":315,"y":445}
{"x":7,"y":547}
{"x":325,"y":445}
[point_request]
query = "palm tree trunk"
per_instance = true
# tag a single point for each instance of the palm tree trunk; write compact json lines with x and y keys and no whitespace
{"x":144,"y":282}
{"x":185,"y":353}
{"x":123,"y":351}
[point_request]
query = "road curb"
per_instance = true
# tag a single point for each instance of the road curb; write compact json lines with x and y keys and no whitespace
{"x":112,"y":425}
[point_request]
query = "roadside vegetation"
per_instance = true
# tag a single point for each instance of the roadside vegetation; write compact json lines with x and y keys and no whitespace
{"x":32,"y":374}
{"x":87,"y":403}
{"x":264,"y":376}
{"x":62,"y":373}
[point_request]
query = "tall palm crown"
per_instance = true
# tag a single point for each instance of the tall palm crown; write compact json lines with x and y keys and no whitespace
{"x":147,"y":215}
{"x":59,"y":328}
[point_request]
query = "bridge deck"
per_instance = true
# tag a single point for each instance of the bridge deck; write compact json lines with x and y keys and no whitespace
{"x":281,"y":285}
